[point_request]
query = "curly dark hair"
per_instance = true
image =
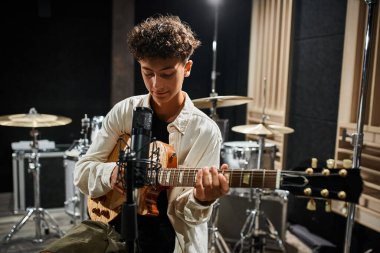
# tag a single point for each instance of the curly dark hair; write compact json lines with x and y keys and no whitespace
{"x":164,"y":37}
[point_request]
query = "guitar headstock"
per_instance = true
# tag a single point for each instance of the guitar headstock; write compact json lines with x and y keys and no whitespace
{"x":328,"y":183}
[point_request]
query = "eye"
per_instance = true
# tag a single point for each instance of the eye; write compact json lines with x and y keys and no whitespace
{"x":149,"y":75}
{"x":166,"y":76}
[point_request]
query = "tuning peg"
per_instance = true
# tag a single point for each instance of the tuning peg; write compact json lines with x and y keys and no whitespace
{"x":342,"y":195}
{"x":311,"y":205}
{"x":326,"y":172}
{"x":307,"y":191}
{"x":325,"y":193}
{"x":347,"y":163}
{"x":343,"y":172}
{"x":314,"y":163}
{"x":309,"y":171}
{"x":328,"y":206}
{"x":330,"y":163}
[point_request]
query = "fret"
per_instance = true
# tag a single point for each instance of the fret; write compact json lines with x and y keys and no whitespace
{"x":188,"y":177}
{"x":251,"y":185}
{"x":180,"y":176}
{"x":227,"y":176}
{"x":263,"y":180}
{"x":241,"y":179}
{"x":246,"y":177}
{"x":167,"y":179}
{"x":278,"y":179}
{"x":175,"y":178}
{"x":172,"y":177}
{"x":161,"y":173}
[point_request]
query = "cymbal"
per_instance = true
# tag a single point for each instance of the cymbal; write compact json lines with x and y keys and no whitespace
{"x":262,"y":129}
{"x":33,"y":120}
{"x":221,"y":101}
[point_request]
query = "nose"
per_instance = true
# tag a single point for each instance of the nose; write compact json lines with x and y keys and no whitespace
{"x":157,"y":82}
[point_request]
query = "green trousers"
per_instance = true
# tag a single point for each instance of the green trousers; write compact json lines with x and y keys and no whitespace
{"x":89,"y":236}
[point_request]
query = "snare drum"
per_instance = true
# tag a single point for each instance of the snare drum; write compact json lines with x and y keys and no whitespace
{"x":244,"y":155}
{"x":76,"y":203}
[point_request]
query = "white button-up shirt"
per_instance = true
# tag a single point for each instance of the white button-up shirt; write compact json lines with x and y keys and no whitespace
{"x":196,"y":140}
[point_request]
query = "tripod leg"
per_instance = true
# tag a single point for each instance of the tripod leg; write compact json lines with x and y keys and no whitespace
{"x":18,"y":225}
{"x":221,"y":244}
{"x":53,"y":223}
{"x":273,"y":233}
{"x":246,"y":231}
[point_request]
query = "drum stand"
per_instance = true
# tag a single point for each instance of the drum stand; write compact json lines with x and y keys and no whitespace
{"x":38,"y":212}
{"x":216,"y":242}
{"x":251,"y":234}
{"x":76,"y":201}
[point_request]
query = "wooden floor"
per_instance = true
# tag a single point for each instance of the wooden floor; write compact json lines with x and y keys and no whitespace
{"x":22,"y":241}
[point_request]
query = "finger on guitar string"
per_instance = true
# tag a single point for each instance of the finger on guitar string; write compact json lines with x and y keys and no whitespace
{"x":214,"y":177}
{"x":224,"y":187}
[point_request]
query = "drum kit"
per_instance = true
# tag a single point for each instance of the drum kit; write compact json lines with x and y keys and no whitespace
{"x":75,"y":204}
{"x":42,"y":219}
{"x":245,"y":155}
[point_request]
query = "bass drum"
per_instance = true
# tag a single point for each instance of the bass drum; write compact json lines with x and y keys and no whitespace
{"x":76,"y":202}
{"x":244,"y":155}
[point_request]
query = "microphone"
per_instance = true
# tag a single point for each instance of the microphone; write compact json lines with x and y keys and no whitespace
{"x":136,"y":171}
{"x":140,"y":142}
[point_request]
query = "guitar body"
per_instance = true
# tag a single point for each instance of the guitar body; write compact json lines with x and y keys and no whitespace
{"x":107,"y":207}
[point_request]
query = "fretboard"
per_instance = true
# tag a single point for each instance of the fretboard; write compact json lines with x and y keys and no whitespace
{"x":236,"y":178}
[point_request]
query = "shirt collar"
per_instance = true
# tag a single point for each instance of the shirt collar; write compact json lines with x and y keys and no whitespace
{"x":183,"y":118}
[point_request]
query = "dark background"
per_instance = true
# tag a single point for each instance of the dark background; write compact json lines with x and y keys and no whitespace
{"x":56,"y":57}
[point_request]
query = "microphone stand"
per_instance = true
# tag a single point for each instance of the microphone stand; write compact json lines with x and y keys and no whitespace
{"x":357,"y":138}
{"x":129,"y":215}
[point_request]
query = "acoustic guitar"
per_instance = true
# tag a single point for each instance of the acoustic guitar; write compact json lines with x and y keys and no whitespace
{"x":338,"y":184}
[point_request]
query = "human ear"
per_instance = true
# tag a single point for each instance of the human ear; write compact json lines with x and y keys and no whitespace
{"x":187,"y":67}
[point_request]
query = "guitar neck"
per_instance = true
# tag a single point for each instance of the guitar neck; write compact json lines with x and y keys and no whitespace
{"x":237,"y":178}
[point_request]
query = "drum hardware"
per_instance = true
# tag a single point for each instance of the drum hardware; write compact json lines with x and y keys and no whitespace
{"x":34,"y":120}
{"x":216,"y":243}
{"x":85,"y":123}
{"x":251,"y":230}
{"x":96,"y":124}
{"x":358,"y":136}
{"x":263,"y":129}
{"x":251,"y":235}
{"x":75,"y":204}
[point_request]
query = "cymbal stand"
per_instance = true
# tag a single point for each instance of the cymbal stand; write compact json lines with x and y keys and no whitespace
{"x":251,"y":236}
{"x":358,"y":137}
{"x":223,"y":124}
{"x":39,"y":213}
{"x":216,"y":243}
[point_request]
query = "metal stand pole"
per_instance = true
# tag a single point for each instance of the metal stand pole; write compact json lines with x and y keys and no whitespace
{"x":39,"y":213}
{"x":261,"y":143}
{"x":216,"y":243}
{"x":252,"y":237}
{"x":357,"y":138}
